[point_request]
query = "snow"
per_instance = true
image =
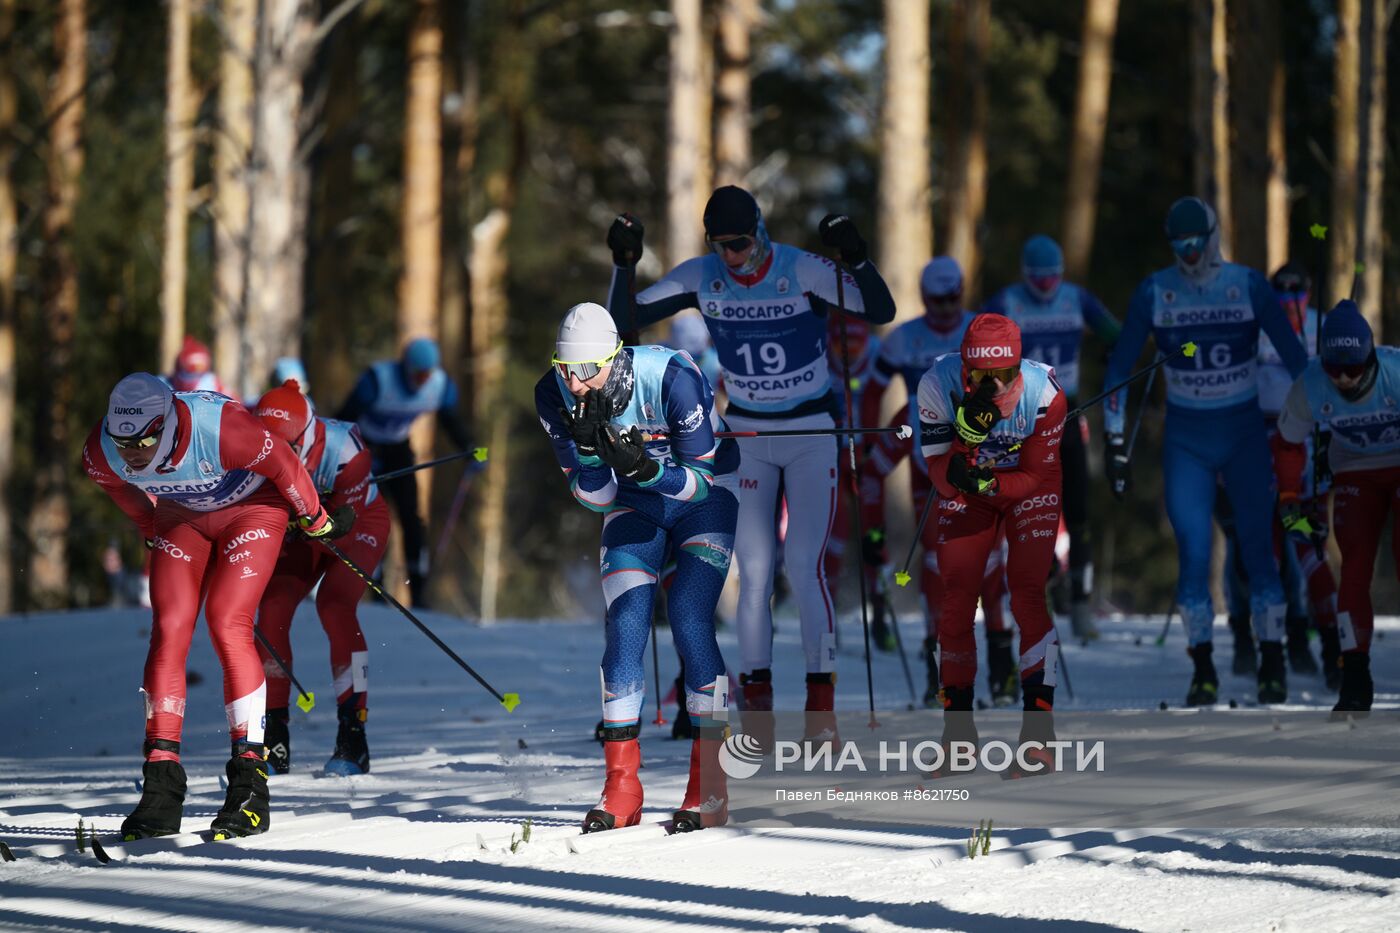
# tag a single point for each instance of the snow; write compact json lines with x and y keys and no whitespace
{"x":401,"y":847}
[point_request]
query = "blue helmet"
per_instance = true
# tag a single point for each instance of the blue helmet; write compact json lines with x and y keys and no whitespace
{"x":1042,"y":266}
{"x":421,"y":355}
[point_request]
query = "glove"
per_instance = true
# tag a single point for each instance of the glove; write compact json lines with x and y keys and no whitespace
{"x":587,"y":420}
{"x":328,"y":527}
{"x":1302,"y":521}
{"x":975,"y":415}
{"x":1115,"y":465}
{"x":626,"y":453}
{"x":625,"y":240}
{"x":970,"y":480}
{"x":872,"y":548}
{"x":837,"y":230}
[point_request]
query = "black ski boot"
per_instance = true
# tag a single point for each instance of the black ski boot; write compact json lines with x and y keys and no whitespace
{"x":881,"y":635}
{"x":1246,"y":660}
{"x":931,"y":698}
{"x":1205,"y":685}
{"x":1273,"y":673}
{"x":162,"y":797}
{"x":1300,"y":658}
{"x":1037,"y":725}
{"x":245,"y":811}
{"x":277,"y":739}
{"x":351,"y":755}
{"x":1357,"y":689}
{"x":958,"y":726}
{"x":1331,"y":657}
{"x":1002,"y":673}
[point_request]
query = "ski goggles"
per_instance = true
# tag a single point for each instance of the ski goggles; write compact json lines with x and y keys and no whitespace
{"x":732,"y":244}
{"x":1191,"y":247}
{"x":1349,"y":370}
{"x":142,"y":441}
{"x":1005,"y":374}
{"x":1043,"y":282}
{"x":586,"y":369}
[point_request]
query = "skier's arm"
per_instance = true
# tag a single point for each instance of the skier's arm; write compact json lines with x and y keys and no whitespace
{"x":590,"y":479}
{"x":863,"y":291}
{"x":1098,"y":318}
{"x":1125,"y":354}
{"x":135,"y":503}
{"x":1037,"y":459}
{"x":1295,"y":424}
{"x":688,"y":402}
{"x":678,"y":290}
{"x":448,"y":418}
{"x":938,"y":441}
{"x":1275,"y":323}
{"x":362,"y":398}
{"x":352,"y":478}
{"x":244,"y":444}
{"x":879,"y":380}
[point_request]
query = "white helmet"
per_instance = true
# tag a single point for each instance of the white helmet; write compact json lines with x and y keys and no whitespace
{"x":586,"y":335}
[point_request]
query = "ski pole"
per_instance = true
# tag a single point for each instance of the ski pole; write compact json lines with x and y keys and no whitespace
{"x":306,"y":701}
{"x":1063,"y":664}
{"x":656,"y":675}
{"x":898,"y":638}
{"x":902,"y":432}
{"x":478,"y":453}
{"x":458,"y":500}
{"x":902,"y":577}
{"x":1166,"y":627}
{"x":1142,"y":408}
{"x":509,"y":700}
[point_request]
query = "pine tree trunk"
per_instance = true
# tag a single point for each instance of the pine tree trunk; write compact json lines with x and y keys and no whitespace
{"x":233,"y":154}
{"x":1278,"y":207}
{"x":1371,"y":150}
{"x":906,"y":213}
{"x":733,"y":138}
{"x":967,"y":194}
{"x":1346,"y":158}
{"x":64,"y":108}
{"x":684,"y":231}
{"x":1086,"y":143}
{"x":1210,"y":126}
{"x":1255,"y":27}
{"x":9,"y":261}
{"x":179,"y":176}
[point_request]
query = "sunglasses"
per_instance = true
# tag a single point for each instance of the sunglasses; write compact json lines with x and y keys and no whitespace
{"x":1187,"y":245}
{"x":587,"y":369}
{"x":1350,"y":370}
{"x":1005,"y":374}
{"x":733,"y":244}
{"x":143,"y":441}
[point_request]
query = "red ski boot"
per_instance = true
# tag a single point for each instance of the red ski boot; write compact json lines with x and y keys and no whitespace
{"x":820,"y":725}
{"x":621,"y":803}
{"x":757,"y":716}
{"x":706,"y":801}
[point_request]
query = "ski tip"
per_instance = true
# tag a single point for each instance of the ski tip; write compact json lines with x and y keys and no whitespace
{"x":1189,"y":349}
{"x":480,"y":454}
{"x":99,"y":852}
{"x":306,"y":702}
{"x":902,"y":578}
{"x":510,"y":701}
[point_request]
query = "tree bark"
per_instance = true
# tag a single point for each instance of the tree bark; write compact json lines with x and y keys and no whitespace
{"x":1086,"y":143}
{"x":233,"y":153}
{"x":733,"y":138}
{"x":64,"y":108}
{"x":1210,"y":124}
{"x":179,"y":177}
{"x":1371,"y":149}
{"x":9,"y":265}
{"x":1254,"y":25}
{"x":1346,"y":186}
{"x":967,"y":195}
{"x":461,"y":109}
{"x":906,"y":212}
{"x":684,"y":231}
{"x":1278,"y":205}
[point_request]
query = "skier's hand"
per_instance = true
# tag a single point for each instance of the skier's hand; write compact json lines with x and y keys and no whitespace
{"x":872,"y":548}
{"x":1303,"y":522}
{"x":838,"y":231}
{"x":976,"y":415}
{"x":626,"y":453}
{"x":586,"y":421}
{"x":625,"y":240}
{"x":1115,"y":465}
{"x":326,"y":526}
{"x":970,"y":480}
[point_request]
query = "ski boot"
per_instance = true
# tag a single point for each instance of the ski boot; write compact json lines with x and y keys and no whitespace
{"x":277,"y":739}
{"x":958,"y":726}
{"x":621,"y":803}
{"x":932,"y":700}
{"x":881,"y":635}
{"x":1273,"y":673}
{"x":1246,"y":661}
{"x":245,"y":810}
{"x":1331,"y":657}
{"x":706,"y":800}
{"x":351,"y":755}
{"x":757,"y":716}
{"x":820,"y":720}
{"x":1002,"y":674}
{"x":1357,"y":690}
{"x":1205,"y":685}
{"x":1038,"y":726}
{"x":162,"y":796}
{"x":1300,"y":659}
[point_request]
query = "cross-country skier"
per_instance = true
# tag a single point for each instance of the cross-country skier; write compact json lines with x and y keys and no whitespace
{"x":1353,"y":390}
{"x":389,"y":396}
{"x":766,"y":305}
{"x":1053,"y":315}
{"x":212,"y":492}
{"x":908,"y":351}
{"x":339,"y":464}
{"x":1213,"y":428}
{"x":194,"y":369}
{"x":633,"y":429}
{"x":991,"y":424}
{"x":1301,"y":565}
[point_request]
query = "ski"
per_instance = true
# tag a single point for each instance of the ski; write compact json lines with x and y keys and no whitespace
{"x":5,"y":853}
{"x":648,"y":829}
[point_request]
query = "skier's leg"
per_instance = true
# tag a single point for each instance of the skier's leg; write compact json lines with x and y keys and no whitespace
{"x":1031,"y":551}
{"x":295,"y":575}
{"x":338,"y":599}
{"x":1190,"y":489}
{"x":703,"y":540}
{"x":1361,"y":501}
{"x":754,"y":550}
{"x":809,"y":476}
{"x":968,"y":531}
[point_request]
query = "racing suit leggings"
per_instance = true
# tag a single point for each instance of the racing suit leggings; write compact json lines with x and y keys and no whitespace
{"x":1360,"y":501}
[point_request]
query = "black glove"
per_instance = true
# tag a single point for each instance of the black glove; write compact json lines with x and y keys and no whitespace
{"x":323,"y":526}
{"x":839,"y":231}
{"x":626,"y":453}
{"x":1115,"y":465}
{"x":976,"y":415}
{"x":872,"y":548}
{"x":625,"y":240}
{"x":968,"y":479}
{"x":590,"y":414}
